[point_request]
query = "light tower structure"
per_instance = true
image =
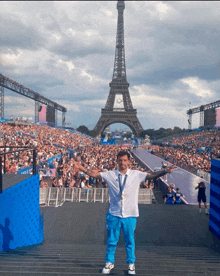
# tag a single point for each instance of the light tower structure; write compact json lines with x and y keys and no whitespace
{"x":119,"y":86}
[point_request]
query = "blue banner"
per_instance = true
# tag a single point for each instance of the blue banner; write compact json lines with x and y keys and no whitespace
{"x":28,"y":170}
{"x":50,"y":161}
{"x":2,"y":120}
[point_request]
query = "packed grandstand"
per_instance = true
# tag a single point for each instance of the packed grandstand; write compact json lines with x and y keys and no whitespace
{"x":56,"y":148}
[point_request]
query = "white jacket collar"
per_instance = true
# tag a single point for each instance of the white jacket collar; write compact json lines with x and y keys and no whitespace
{"x":127,"y":172}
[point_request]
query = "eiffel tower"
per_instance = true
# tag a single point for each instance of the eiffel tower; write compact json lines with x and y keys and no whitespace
{"x":119,"y":93}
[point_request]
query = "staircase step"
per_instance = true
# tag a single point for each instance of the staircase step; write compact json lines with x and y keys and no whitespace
{"x":115,"y":272}
{"x":119,"y":263}
{"x":80,"y":249}
{"x":58,"y":259}
{"x":97,"y":270}
{"x":100,"y":257}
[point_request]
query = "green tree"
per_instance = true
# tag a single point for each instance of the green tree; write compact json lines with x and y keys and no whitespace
{"x":83,"y":129}
{"x":161,"y":132}
{"x":127,"y":135}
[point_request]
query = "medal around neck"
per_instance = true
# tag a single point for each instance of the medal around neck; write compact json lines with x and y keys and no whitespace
{"x":121,"y":187}
{"x":123,"y":198}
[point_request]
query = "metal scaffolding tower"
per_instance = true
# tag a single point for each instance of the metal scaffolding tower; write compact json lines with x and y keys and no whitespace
{"x":201,"y":109}
{"x":2,"y":101}
{"x":24,"y":91}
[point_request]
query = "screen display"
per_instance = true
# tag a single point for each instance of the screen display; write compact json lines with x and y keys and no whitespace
{"x":209,"y":117}
{"x":217,"y":117}
{"x":50,"y":116}
{"x":42,"y":114}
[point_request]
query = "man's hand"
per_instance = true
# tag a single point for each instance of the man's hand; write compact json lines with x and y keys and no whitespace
{"x":160,"y":173}
{"x":93,"y":173}
{"x":76,"y":164}
{"x":170,"y":169}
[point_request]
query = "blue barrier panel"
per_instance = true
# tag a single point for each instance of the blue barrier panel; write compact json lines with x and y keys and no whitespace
{"x":106,"y":143}
{"x":136,"y":141}
{"x":2,"y":120}
{"x":29,"y":170}
{"x":214,"y":218}
{"x":20,"y":221}
{"x":50,"y":161}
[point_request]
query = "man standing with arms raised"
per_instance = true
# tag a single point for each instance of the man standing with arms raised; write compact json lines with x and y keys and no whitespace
{"x":123,"y":187}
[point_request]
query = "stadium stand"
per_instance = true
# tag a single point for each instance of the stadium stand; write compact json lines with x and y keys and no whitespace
{"x":192,"y":151}
{"x":75,"y":236}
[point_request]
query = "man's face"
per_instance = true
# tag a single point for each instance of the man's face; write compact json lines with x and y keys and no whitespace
{"x":123,"y":162}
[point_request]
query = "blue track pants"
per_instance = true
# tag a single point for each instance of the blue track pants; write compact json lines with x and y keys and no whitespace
{"x":128,"y":225}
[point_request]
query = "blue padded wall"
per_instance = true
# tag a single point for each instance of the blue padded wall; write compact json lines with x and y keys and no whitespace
{"x":20,"y":221}
{"x":214,"y":212}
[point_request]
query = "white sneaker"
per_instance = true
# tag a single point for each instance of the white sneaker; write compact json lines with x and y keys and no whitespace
{"x":108,"y":267}
{"x":131,"y":269}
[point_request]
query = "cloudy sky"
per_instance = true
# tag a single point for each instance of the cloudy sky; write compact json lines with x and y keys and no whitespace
{"x":65,"y":51}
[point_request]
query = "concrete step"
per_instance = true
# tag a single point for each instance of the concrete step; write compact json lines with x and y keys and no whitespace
{"x":139,"y":256}
{"x":170,"y":240}
{"x":97,"y":271}
{"x":65,"y":259}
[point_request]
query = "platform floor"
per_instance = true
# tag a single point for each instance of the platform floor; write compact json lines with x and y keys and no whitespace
{"x":164,"y":225}
{"x":170,"y":241}
{"x":10,"y":180}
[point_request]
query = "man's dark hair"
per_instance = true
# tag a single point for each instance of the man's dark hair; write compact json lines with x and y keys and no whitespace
{"x":123,"y":153}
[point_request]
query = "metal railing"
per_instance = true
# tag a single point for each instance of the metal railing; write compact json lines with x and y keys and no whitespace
{"x":145,"y":196}
{"x":3,"y":159}
{"x":57,"y":196}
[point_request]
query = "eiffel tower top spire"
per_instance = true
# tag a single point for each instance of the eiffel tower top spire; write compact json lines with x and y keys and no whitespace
{"x":119,"y":72}
{"x":119,"y":108}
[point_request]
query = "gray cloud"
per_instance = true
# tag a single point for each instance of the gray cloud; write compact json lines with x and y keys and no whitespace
{"x":14,"y":34}
{"x":170,"y":74}
{"x":72,"y":48}
{"x":65,"y":51}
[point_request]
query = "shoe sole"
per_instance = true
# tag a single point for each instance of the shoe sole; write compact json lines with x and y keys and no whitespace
{"x":107,"y":272}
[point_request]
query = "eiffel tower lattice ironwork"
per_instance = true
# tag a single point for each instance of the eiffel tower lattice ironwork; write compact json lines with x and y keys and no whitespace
{"x":119,"y":93}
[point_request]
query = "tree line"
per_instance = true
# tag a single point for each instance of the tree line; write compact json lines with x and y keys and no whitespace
{"x":162,"y":132}
{"x":154,"y":134}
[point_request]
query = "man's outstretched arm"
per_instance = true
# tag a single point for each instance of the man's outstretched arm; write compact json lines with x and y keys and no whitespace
{"x":160,"y":173}
{"x":91,"y":173}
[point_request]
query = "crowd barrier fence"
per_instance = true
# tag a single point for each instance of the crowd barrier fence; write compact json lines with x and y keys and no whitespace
{"x":57,"y":196}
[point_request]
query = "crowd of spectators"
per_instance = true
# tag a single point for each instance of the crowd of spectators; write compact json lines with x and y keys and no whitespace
{"x":48,"y":141}
{"x":19,"y":119}
{"x":94,"y":157}
{"x":62,"y":146}
{"x":191,"y":151}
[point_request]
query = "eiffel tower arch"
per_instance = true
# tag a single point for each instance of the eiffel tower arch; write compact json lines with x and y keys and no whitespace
{"x":119,"y":92}
{"x":109,"y":118}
